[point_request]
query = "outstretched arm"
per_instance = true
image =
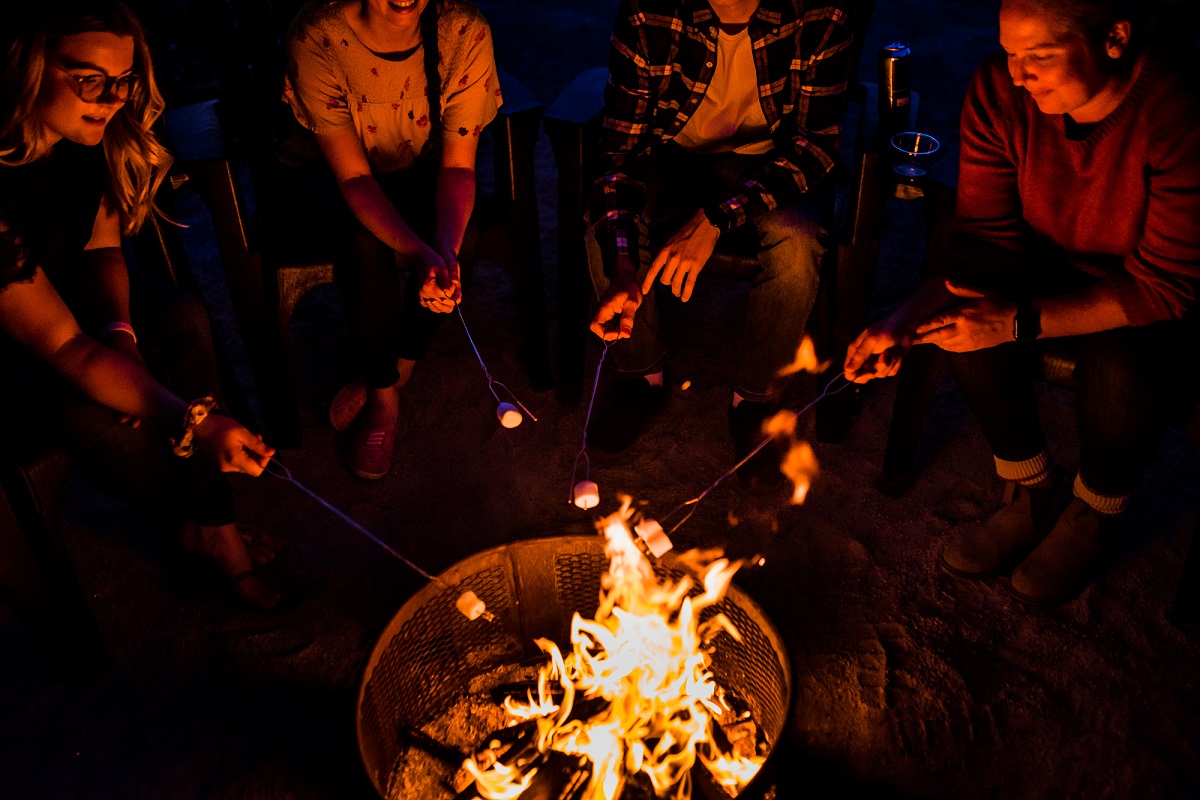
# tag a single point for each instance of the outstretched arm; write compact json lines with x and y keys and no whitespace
{"x":35,"y":316}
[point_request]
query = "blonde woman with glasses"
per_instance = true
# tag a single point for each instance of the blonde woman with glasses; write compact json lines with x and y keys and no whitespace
{"x":80,"y":343}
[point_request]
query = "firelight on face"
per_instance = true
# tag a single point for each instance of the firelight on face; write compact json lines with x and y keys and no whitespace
{"x":1061,"y":72}
{"x":64,"y":115}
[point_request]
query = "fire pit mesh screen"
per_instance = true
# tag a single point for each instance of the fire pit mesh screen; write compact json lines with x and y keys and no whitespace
{"x":429,"y":654}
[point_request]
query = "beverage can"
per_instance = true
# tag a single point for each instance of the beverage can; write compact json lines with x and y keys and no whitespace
{"x":895,"y":83}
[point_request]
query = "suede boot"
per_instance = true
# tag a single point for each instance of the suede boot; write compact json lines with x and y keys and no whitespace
{"x":1006,"y":537}
{"x":1063,"y":565}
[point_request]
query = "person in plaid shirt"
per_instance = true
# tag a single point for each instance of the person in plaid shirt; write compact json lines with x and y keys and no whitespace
{"x":721,"y":120}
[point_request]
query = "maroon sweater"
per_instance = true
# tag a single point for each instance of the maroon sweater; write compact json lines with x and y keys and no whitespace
{"x":1122,"y":204}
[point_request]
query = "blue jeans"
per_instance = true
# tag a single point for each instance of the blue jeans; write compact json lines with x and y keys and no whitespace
{"x":791,"y":242}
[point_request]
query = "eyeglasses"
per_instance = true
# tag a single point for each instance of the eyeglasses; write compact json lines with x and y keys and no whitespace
{"x":93,"y":88}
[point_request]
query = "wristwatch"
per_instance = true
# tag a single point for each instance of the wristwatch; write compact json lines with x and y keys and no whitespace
{"x":1027,"y":324}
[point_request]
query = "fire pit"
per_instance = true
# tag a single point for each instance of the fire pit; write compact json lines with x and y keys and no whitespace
{"x":431,"y":658}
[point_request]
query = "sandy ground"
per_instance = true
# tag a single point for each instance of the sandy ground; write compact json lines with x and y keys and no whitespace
{"x":907,"y":683}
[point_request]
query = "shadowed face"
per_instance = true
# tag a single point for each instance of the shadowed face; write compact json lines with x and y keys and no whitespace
{"x":79,"y":63}
{"x":1060,"y":70}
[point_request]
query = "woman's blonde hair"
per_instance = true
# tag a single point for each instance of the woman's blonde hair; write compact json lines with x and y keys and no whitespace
{"x":137,"y":161}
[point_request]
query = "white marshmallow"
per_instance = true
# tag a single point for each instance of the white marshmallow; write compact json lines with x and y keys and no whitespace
{"x":587,"y":494}
{"x":654,"y":536}
{"x":470,"y":606}
{"x":508,"y":415}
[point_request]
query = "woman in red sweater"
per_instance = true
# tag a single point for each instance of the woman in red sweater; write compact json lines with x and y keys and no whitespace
{"x":1078,"y":216}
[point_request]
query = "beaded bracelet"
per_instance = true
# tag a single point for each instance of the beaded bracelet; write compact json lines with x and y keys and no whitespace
{"x":196,"y":412}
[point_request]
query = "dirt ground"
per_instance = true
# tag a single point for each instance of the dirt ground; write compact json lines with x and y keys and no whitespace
{"x":907,"y":683}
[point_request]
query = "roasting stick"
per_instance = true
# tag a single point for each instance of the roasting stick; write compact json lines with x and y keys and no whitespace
{"x":829,"y":390}
{"x":506,"y":412}
{"x":468,"y":603}
{"x":586,"y":494}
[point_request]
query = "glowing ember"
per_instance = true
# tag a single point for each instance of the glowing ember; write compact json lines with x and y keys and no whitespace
{"x":805,"y":360}
{"x":643,"y":657}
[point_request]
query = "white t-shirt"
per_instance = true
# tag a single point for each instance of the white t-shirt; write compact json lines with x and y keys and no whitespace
{"x":729,"y":118}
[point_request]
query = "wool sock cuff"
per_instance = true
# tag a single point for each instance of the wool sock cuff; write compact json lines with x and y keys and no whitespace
{"x":1104,"y":503}
{"x":1030,"y":472}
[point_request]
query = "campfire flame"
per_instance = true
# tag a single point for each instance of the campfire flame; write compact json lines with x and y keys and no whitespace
{"x":800,"y":464}
{"x":644,"y":655}
{"x":805,"y":361}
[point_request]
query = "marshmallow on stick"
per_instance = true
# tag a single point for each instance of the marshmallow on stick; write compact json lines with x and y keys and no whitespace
{"x":586,"y":495}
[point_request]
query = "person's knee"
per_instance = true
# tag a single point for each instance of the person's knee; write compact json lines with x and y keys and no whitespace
{"x":793,"y":242}
{"x":1116,"y":362}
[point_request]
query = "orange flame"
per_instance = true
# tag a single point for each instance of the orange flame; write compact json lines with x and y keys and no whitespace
{"x":643,"y":654}
{"x":783,"y":423}
{"x":805,"y":360}
{"x":801,"y":467}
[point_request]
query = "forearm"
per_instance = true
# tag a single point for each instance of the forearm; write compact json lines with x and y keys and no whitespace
{"x":115,"y":381}
{"x":455,"y":201}
{"x":378,"y":214}
{"x":1094,"y":309}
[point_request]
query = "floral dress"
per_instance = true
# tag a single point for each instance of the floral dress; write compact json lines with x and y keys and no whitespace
{"x":335,"y":82}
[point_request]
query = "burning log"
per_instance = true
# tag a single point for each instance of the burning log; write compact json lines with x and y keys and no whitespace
{"x":642,"y":667}
{"x":448,"y":679}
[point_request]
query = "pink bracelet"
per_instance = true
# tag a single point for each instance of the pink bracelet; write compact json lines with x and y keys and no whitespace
{"x":113,"y":327}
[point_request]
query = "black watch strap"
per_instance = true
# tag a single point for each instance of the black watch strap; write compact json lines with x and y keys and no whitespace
{"x":1027,"y":324}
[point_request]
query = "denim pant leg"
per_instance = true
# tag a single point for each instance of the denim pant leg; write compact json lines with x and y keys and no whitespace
{"x":793,"y":241}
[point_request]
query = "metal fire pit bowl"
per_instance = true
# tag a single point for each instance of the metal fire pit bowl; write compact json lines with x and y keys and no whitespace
{"x":426,"y":658}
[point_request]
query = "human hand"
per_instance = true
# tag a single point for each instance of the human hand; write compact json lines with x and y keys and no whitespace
{"x":442,"y":289}
{"x":614,"y":318}
{"x":231,"y":446}
{"x":877,"y":352}
{"x":683,"y":256}
{"x":982,"y":320}
{"x":122,"y":342}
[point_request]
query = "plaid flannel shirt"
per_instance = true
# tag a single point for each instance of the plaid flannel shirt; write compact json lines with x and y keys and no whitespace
{"x":662,"y":59}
